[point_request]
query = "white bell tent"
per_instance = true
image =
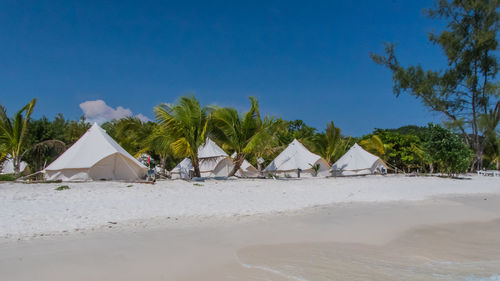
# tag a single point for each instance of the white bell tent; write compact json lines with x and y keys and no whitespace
{"x":296,"y":156}
{"x":7,"y":167}
{"x":358,"y":161}
{"x":214,"y":162}
{"x":95,"y":156}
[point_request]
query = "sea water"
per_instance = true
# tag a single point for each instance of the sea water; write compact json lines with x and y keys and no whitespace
{"x":459,"y":252}
{"x":322,"y":264}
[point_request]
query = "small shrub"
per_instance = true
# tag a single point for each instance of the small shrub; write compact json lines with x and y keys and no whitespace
{"x":130,"y":185}
{"x":8,"y":177}
{"x":197,"y":184}
{"x":62,"y":187}
{"x":315,"y":168}
{"x":287,"y":176}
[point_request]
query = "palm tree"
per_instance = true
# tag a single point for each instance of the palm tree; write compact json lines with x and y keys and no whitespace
{"x":186,"y":122}
{"x":39,"y":153}
{"x":130,"y":133}
{"x":158,"y":142}
{"x":330,"y":145}
{"x":375,"y":145}
{"x":244,"y":134}
{"x":13,"y":132}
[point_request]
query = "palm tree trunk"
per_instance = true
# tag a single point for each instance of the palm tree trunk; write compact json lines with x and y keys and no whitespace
{"x":238,"y":160}
{"x":196,"y":166}
{"x":16,"y":162}
{"x":163,"y":164}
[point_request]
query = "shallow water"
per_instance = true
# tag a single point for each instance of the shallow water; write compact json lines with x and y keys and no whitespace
{"x":468,"y":252}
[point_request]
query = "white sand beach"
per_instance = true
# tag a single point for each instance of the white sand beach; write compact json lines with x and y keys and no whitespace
{"x":29,"y":210}
{"x":365,"y":228}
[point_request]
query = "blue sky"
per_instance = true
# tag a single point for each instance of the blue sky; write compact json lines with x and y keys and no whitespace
{"x":304,"y":60}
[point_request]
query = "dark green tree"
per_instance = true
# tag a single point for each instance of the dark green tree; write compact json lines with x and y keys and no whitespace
{"x":47,"y":139}
{"x":296,"y":129}
{"x":400,"y":150}
{"x":466,"y":90}
{"x":447,"y":151}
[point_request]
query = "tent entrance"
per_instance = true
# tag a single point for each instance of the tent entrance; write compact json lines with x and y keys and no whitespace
{"x":114,"y":167}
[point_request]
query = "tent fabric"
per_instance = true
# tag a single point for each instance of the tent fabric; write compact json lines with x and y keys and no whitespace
{"x":181,"y":171}
{"x":209,"y":167}
{"x":7,"y":167}
{"x":95,"y":156}
{"x":358,"y":161}
{"x":296,"y":156}
{"x":214,"y":162}
{"x":210,"y":150}
{"x":246,"y":170}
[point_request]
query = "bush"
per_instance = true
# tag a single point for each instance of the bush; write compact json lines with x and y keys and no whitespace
{"x":62,"y":187}
{"x":8,"y":177}
{"x":447,"y":150}
{"x":315,"y":168}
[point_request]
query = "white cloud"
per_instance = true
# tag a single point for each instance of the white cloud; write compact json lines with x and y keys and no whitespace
{"x":98,"y":111}
{"x":142,"y":117}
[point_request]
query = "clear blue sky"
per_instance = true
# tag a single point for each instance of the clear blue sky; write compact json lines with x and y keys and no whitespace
{"x":303,"y":59}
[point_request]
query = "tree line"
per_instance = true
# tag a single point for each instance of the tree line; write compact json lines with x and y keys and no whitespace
{"x":181,"y":127}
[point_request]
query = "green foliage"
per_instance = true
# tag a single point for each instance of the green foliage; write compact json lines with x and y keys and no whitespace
{"x":420,"y":132}
{"x":62,"y":187}
{"x":47,"y":139}
{"x":376,"y":146}
{"x":158,"y":144}
{"x":447,"y":150}
{"x":245,"y":134}
{"x":130,"y":133}
{"x":186,"y":122}
{"x":296,"y":129}
{"x":400,"y":150}
{"x":330,"y":145}
{"x":467,"y":89}
{"x":315,"y":168}
{"x":7,"y":177}
{"x":183,"y":126}
{"x":13,"y":133}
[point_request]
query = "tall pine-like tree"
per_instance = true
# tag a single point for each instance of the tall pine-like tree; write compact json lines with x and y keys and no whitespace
{"x":466,"y":91}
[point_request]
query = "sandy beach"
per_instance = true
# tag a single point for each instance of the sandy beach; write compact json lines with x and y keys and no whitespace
{"x":368,"y":228}
{"x":29,"y":210}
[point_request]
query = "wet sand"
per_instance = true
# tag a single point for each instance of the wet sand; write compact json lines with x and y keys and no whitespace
{"x":447,"y":238}
{"x":461,"y":251}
